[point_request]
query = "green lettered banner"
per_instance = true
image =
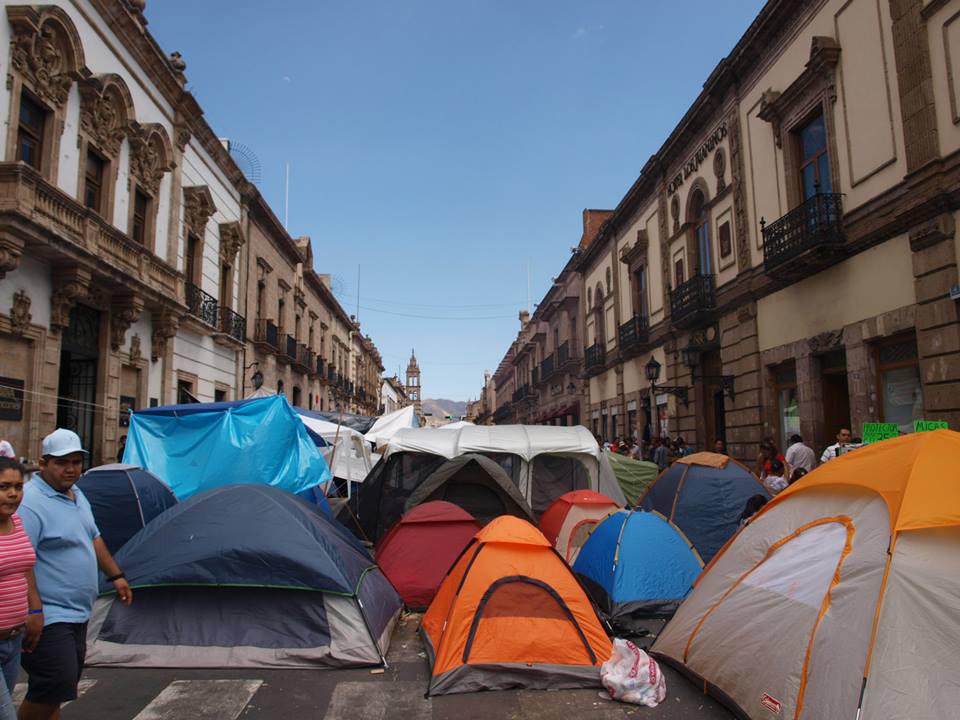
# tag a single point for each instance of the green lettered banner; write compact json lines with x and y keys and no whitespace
{"x":928,"y":425}
{"x":875,"y":432}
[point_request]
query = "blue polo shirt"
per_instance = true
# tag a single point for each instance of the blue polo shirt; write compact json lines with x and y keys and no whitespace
{"x":62,"y":531}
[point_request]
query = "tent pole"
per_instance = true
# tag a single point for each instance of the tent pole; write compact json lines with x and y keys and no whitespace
{"x":333,"y":455}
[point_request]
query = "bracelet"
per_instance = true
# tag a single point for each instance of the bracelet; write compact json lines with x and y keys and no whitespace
{"x":116,"y":577}
{"x":38,"y":611}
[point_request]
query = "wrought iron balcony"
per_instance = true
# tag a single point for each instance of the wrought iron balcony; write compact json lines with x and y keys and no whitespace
{"x":232,"y":324}
{"x":546,"y":367}
{"x":201,"y":305}
{"x":521,"y":393}
{"x":331,"y":375}
{"x":265,"y":333}
{"x":692,"y":301}
{"x":563,"y":354}
{"x":534,"y":376}
{"x":634,"y":333}
{"x":318,"y":368}
{"x":595,"y":356}
{"x":806,"y":239}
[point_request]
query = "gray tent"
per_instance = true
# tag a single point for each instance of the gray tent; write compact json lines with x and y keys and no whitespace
{"x":475,"y":483}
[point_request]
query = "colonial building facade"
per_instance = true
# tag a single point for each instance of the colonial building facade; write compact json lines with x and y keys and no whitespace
{"x":784,"y":262}
{"x":126,"y":273}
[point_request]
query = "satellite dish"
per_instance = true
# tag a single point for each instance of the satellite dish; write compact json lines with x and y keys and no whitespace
{"x":246,"y":160}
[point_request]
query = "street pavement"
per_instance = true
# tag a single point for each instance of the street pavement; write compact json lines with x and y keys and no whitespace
{"x":361,"y":694}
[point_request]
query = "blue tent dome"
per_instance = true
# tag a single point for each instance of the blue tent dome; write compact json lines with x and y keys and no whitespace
{"x":124,"y":498}
{"x":637,"y":564}
{"x":245,"y":576}
{"x":704,"y":495}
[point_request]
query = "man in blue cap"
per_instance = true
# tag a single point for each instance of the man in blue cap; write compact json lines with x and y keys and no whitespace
{"x":58,"y":519}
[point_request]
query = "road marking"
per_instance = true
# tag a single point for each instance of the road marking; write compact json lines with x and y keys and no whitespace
{"x":201,"y":700}
{"x":374,"y":700}
{"x":20,"y":691}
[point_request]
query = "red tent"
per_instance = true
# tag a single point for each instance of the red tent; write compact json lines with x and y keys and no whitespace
{"x":570,"y":518}
{"x":421,"y":547}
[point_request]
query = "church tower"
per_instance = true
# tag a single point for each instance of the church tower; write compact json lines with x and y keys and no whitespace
{"x":413,"y":385}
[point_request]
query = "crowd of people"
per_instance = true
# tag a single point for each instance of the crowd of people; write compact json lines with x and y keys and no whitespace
{"x":50,"y":555}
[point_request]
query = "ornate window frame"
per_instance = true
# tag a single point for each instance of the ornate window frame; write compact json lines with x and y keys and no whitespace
{"x":106,"y":117}
{"x":46,"y":58}
{"x":812,"y":93}
{"x":151,"y":157}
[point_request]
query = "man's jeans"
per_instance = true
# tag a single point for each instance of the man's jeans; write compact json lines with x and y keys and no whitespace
{"x":10,"y":664}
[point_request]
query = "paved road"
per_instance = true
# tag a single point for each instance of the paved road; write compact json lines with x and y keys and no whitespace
{"x":131,"y":694}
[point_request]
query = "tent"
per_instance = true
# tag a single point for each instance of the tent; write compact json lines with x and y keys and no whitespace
{"x":633,"y":476}
{"x":704,"y":495}
{"x":570,"y":519}
{"x":541,"y":462}
{"x":840,"y":595}
{"x":510,"y":614}
{"x":455,"y":425}
{"x":199,"y":446}
{"x":124,"y":498}
{"x":635,"y":565}
{"x":420,"y":549}
{"x":245,"y":576}
{"x":360,"y":423}
{"x":352,"y":460}
{"x":386,"y":426}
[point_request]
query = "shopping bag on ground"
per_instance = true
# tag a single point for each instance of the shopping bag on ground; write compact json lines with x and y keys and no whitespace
{"x":632,"y":676}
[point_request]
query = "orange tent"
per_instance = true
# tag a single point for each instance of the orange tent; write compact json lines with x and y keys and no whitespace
{"x":510,"y":614}
{"x":840,"y":597}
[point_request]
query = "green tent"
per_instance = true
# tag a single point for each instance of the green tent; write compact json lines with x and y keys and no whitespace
{"x":634,"y":476}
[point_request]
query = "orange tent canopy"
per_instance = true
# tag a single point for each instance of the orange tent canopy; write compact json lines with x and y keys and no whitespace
{"x":908,"y":472}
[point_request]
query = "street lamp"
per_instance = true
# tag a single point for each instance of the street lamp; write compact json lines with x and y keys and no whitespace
{"x":652,"y":369}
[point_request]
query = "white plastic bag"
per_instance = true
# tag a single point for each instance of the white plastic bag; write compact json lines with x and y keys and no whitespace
{"x":632,"y":676}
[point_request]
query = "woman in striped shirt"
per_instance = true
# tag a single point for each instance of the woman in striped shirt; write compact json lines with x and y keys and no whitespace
{"x":21,"y":613}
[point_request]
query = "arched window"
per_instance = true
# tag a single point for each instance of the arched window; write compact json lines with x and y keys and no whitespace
{"x":599,"y":334}
{"x":700,"y":220}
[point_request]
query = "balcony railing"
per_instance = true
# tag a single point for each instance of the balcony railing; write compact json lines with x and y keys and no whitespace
{"x":534,"y":376}
{"x":691,"y":300}
{"x":563,"y":354}
{"x":806,"y":238}
{"x":201,"y":305}
{"x":232,"y":324}
{"x":291,"y":347}
{"x":546,"y":367}
{"x":595,"y":356}
{"x":318,"y":368}
{"x":331,"y":375}
{"x":521,"y":393}
{"x":265,"y":333}
{"x":634,"y":333}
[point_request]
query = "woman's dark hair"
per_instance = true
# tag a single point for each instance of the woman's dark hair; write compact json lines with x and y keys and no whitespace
{"x":797,"y":474}
{"x":754,"y":503}
{"x":776,"y":467}
{"x":11,"y":464}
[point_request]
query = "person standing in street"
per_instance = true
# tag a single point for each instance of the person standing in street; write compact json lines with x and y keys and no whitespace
{"x":836,"y":450}
{"x":661,"y":454}
{"x":58,"y":519}
{"x":799,"y":455}
{"x":21,"y":616}
{"x":720,"y":446}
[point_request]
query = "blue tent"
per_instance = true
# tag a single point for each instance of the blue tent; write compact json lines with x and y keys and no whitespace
{"x":245,"y":576}
{"x":124,"y":498}
{"x":199,"y":446}
{"x":635,"y":565}
{"x":704,"y":495}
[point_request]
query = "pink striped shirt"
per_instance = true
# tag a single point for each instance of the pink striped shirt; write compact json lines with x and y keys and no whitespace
{"x":16,"y":557}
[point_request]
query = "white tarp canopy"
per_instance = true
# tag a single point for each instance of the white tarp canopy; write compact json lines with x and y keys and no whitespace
{"x":549,"y":443}
{"x":455,"y":425}
{"x":352,"y":460}
{"x":388,"y":425}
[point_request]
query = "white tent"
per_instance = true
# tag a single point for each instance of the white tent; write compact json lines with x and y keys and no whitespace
{"x":454,"y":425}
{"x":353,"y":459}
{"x":388,"y":425}
{"x":540,"y":448}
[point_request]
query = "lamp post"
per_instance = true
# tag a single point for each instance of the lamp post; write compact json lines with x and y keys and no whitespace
{"x":691,"y":358}
{"x":256,"y":379}
{"x":652,"y":369}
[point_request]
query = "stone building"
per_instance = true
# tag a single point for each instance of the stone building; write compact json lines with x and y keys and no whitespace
{"x":787,"y":260}
{"x":126,"y":273}
{"x":413,"y":388}
{"x":393,"y":395}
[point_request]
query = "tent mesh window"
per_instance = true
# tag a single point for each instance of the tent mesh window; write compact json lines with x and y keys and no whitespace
{"x":554,"y":475}
{"x":511,"y":464}
{"x":381,"y":499}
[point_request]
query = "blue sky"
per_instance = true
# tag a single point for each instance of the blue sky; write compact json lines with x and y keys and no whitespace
{"x":445,"y":147}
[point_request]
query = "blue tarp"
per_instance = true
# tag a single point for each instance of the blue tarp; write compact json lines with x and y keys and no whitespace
{"x":704,"y":502}
{"x":124,"y":498}
{"x":200,"y":446}
{"x":637,"y":564}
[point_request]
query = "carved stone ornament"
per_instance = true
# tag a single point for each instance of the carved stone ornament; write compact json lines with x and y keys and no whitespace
{"x":10,"y":252}
{"x":165,"y":326}
{"x":675,"y":213}
{"x":62,"y":302}
{"x":20,"y":312}
{"x":197,"y":208}
{"x":231,"y":238}
{"x":177,"y":62}
{"x":150,"y":156}
{"x":720,"y":169}
{"x":825,"y":341}
{"x":46,"y":51}
{"x":181,"y":136}
{"x":124,"y":312}
{"x":739,"y":201}
{"x":135,"y":351}
{"x":105,"y":109}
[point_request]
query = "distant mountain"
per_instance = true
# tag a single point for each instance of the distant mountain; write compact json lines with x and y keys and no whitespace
{"x":440,"y":407}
